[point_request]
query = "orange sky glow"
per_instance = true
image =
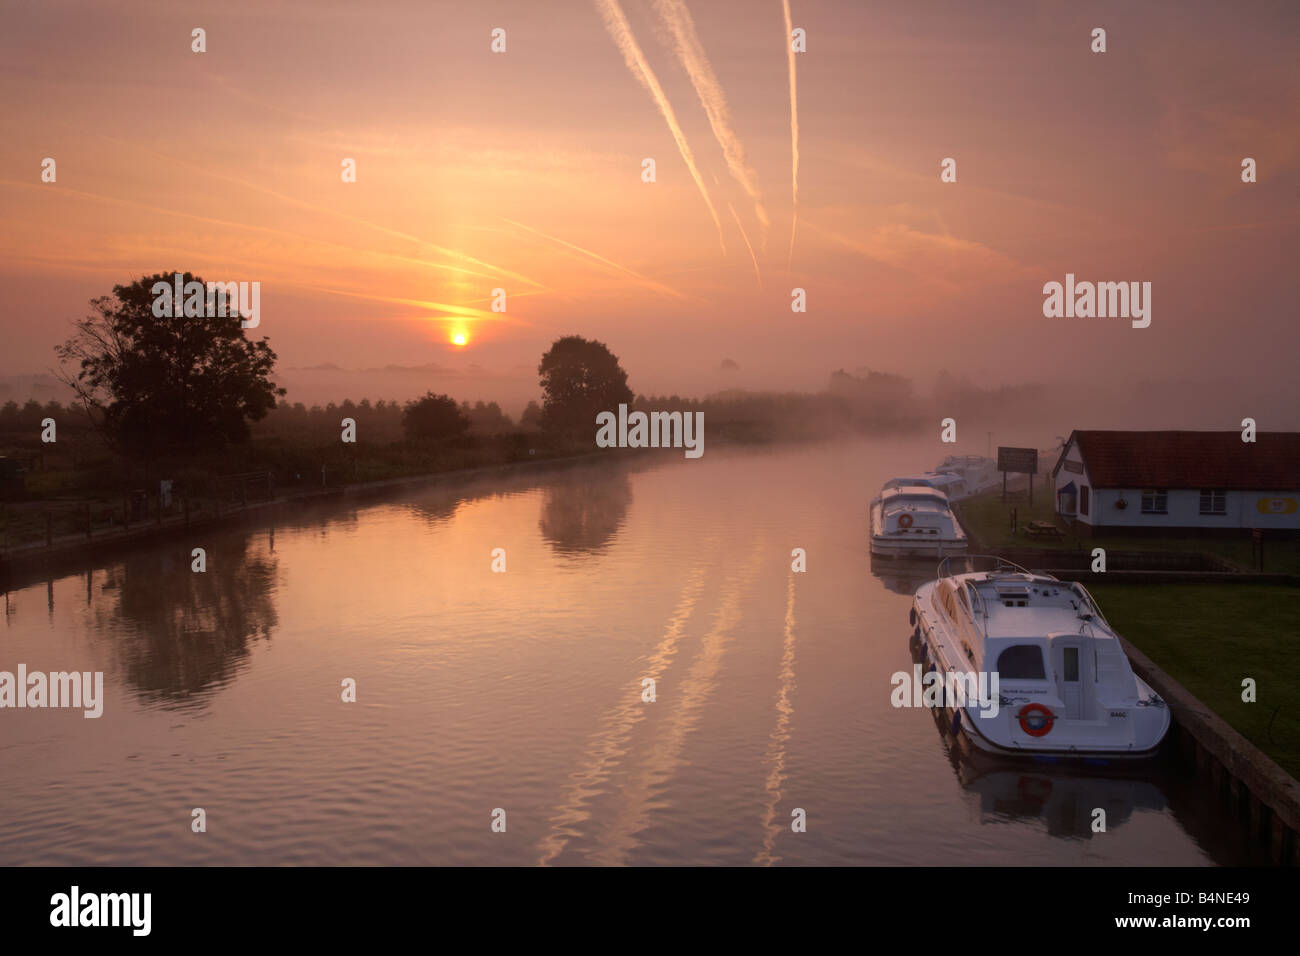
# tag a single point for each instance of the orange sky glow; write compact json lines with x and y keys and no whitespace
{"x":522,"y":171}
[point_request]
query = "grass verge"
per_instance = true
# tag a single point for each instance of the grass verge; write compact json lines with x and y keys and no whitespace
{"x":1209,"y":638}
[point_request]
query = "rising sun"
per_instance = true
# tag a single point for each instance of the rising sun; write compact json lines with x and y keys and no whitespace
{"x":459,"y":338}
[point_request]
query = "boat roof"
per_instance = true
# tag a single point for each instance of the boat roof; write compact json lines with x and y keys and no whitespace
{"x":917,"y":492}
{"x":1030,"y":605}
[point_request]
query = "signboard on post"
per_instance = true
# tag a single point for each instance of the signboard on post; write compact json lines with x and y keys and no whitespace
{"x":1022,"y":461}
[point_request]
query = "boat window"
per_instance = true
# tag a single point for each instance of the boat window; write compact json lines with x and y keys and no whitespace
{"x":1071,"y":663}
{"x":1021,"y":662}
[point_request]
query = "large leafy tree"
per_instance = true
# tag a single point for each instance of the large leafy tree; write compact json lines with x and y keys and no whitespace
{"x":167,"y":383}
{"x":580,"y":378}
{"x":434,"y":416}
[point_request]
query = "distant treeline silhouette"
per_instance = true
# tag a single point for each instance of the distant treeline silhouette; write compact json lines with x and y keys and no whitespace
{"x":382,"y":421}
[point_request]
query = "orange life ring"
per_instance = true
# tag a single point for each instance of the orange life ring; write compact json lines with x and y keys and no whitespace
{"x":1036,"y":720}
{"x":905,"y":521}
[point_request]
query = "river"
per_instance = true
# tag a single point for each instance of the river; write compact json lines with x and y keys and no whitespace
{"x":518,"y":696}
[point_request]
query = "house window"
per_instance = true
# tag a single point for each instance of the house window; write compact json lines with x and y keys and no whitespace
{"x":1155,"y":501}
{"x":1214,"y":501}
{"x":1083,"y":500}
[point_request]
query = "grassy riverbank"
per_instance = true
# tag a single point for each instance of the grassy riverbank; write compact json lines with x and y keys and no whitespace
{"x":1209,"y":637}
{"x":65,"y":496}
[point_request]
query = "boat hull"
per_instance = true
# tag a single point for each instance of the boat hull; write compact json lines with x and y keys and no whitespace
{"x":967,"y":737}
{"x":886,"y":547}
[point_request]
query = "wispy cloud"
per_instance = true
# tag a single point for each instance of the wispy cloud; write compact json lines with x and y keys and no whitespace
{"x":454,"y":254}
{"x":651,"y":283}
{"x":445,"y":310}
{"x":941,"y":261}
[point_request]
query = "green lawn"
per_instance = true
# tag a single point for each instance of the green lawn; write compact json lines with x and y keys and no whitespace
{"x":988,"y":519}
{"x":1209,"y":637}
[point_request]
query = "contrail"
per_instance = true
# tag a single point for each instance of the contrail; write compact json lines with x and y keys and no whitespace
{"x":757,"y":275}
{"x":794,"y":130}
{"x":617,"y":25}
{"x":659,"y":286}
{"x":689,"y":50}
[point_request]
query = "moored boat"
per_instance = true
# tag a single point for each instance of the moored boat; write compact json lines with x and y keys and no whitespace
{"x":914,"y":521}
{"x":1052,"y":674}
{"x":976,"y":472}
{"x":950,"y":483}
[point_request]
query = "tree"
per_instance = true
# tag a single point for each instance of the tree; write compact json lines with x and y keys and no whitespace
{"x":433,"y":416}
{"x":579,"y":379}
{"x":486,"y":418}
{"x":531,"y":419}
{"x":173,"y":382}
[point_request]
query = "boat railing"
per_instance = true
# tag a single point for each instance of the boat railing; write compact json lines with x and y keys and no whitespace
{"x":978,"y":607}
{"x":1092,"y":603}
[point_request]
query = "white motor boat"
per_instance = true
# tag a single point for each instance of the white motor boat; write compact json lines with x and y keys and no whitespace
{"x":1054,"y":677}
{"x":950,"y":483}
{"x":914,"y":521}
{"x":976,"y":472}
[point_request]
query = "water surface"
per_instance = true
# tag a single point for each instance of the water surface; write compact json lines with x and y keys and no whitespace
{"x":523,"y":690}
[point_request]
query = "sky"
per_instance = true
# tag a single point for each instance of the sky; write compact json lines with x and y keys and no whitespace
{"x":522,"y":171}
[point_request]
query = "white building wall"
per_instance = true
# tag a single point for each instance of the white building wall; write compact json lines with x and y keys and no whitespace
{"x":1184,"y":510}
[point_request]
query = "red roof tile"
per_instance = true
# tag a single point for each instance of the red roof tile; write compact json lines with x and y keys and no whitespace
{"x":1191,"y":460}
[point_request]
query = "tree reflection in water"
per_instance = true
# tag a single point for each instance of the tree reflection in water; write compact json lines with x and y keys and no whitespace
{"x":179,"y":635}
{"x":583,"y":511}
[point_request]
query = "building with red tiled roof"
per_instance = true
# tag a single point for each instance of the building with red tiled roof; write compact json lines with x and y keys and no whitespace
{"x":1161,"y":480}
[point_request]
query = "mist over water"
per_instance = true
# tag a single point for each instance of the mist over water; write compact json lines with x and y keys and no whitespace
{"x":523,"y":690}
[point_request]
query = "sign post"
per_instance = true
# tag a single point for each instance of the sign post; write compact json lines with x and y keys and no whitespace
{"x":1022,"y":461}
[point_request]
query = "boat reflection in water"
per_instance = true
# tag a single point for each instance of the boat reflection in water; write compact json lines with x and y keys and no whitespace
{"x":1066,"y":796}
{"x":902,"y":575}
